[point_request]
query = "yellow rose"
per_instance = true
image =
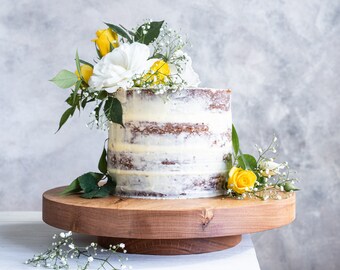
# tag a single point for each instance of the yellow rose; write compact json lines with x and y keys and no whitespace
{"x":158,"y":73}
{"x":86,"y":72}
{"x":241,"y":180}
{"x":104,"y":38}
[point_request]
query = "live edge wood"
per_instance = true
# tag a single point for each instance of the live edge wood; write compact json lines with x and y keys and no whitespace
{"x":166,"y":226}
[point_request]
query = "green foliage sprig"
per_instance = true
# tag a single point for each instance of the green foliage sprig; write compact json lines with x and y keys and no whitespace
{"x":91,"y":185}
{"x":272,"y":179}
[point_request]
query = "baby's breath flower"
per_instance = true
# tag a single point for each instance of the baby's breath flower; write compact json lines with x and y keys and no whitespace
{"x":64,"y":248}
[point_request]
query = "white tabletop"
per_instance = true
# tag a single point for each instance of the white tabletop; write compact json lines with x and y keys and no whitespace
{"x":23,"y":234}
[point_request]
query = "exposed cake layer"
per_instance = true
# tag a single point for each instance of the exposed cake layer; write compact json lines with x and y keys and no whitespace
{"x":171,"y":147}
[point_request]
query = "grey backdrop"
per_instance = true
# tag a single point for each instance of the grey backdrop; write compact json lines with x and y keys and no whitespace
{"x":281,"y":58}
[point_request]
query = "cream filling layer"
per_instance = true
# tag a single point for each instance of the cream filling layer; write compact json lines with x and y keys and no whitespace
{"x":192,"y":149}
{"x":166,"y":174}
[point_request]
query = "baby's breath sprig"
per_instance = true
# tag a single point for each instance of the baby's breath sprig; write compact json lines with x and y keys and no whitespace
{"x":63,"y":249}
{"x":261,"y":178}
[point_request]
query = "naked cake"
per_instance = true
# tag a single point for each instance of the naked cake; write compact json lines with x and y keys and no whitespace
{"x":173,"y":146}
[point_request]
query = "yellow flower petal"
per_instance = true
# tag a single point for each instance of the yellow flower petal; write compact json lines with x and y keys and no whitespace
{"x":241,"y":180}
{"x":105,"y":37}
{"x":86,"y":72}
{"x":159,"y":71}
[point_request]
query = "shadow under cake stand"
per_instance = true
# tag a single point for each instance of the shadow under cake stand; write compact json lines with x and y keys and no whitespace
{"x":166,"y":227}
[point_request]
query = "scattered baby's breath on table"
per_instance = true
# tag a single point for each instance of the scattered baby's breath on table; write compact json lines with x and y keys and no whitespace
{"x":63,"y":250}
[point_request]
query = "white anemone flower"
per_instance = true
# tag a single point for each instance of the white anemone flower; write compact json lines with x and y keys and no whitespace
{"x":117,"y":68}
{"x":269,"y":168}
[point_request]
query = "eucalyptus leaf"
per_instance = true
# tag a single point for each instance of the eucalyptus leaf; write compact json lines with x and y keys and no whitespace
{"x":113,"y":110}
{"x":72,"y":188}
{"x":120,"y":31}
{"x":247,"y":161}
{"x":69,"y":112}
{"x":151,"y":34}
{"x":65,"y":79}
{"x":235,"y":141}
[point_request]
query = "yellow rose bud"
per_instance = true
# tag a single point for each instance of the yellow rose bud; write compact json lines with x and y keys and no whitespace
{"x":241,"y":180}
{"x":104,"y":38}
{"x":86,"y":72}
{"x":158,"y":73}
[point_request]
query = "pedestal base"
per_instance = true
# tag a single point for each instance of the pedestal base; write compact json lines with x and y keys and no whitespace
{"x":172,"y":246}
{"x":166,"y":227}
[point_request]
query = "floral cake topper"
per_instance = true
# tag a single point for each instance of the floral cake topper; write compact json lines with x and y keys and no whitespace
{"x":150,"y":56}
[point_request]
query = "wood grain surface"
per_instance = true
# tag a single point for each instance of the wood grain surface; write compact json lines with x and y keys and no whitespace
{"x":173,"y":246}
{"x":165,"y":219}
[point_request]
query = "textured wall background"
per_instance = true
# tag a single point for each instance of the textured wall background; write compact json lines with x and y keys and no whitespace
{"x":281,"y":58}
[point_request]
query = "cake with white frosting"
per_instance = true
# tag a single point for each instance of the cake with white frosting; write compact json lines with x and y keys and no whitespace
{"x":173,"y":145}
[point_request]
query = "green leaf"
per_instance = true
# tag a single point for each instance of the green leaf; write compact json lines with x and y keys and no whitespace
{"x":74,"y":187}
{"x":78,"y":65}
{"x":75,"y":93}
{"x":102,"y":165}
{"x":150,"y":35}
{"x":65,"y":79}
{"x":229,"y":162}
{"x":89,"y":181}
{"x":69,"y":112}
{"x":85,"y":63}
{"x":98,"y":52}
{"x":120,"y":31}
{"x":97,"y":110}
{"x":160,"y":56}
{"x":247,"y":161}
{"x":83,"y":103}
{"x":111,"y":47}
{"x":126,"y":30}
{"x":103,"y":191}
{"x":288,"y":186}
{"x":114,"y":111}
{"x":102,"y":94}
{"x":235,"y":141}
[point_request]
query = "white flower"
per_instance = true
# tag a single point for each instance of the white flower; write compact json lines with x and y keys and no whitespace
{"x":117,"y":68}
{"x":269,"y":168}
{"x":187,"y":74}
{"x":71,"y":246}
{"x":90,"y":259}
{"x":122,"y":245}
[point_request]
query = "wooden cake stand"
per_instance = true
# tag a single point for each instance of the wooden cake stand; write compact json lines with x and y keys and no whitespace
{"x":166,"y":227}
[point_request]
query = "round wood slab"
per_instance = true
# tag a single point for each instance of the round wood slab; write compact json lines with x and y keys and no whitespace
{"x":150,"y":226}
